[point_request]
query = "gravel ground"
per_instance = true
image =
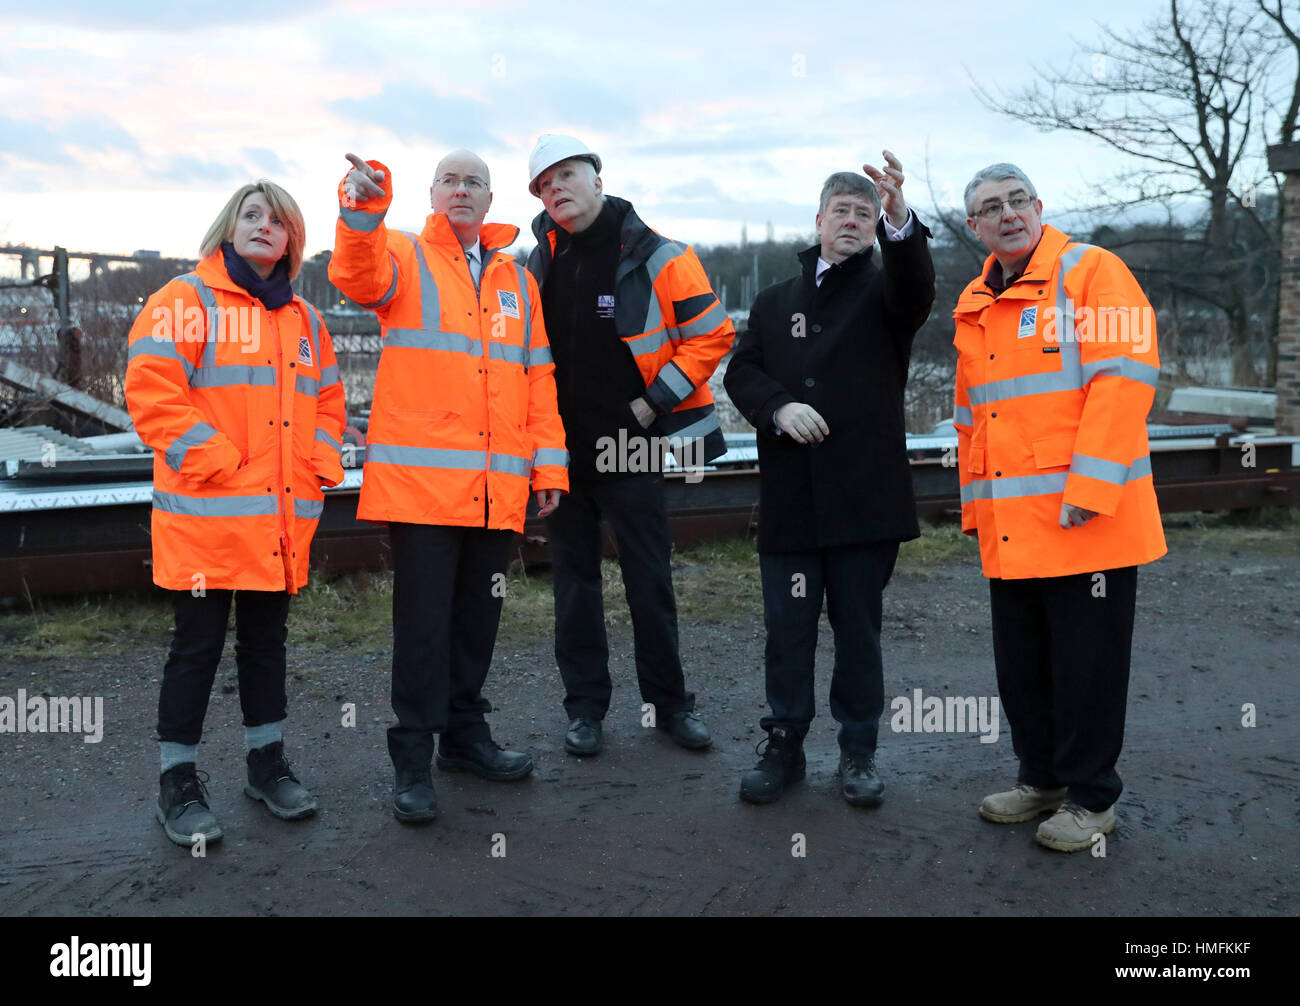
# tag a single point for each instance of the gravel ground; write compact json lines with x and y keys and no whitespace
{"x":1207,"y":823}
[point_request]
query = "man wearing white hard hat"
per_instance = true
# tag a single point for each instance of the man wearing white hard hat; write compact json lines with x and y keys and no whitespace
{"x":636,"y":331}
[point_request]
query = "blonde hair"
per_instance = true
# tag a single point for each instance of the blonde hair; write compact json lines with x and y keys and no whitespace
{"x":282,"y":205}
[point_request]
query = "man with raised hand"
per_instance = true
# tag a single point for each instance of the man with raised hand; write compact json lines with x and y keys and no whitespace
{"x":820,"y":372}
{"x":1052,"y":395}
{"x":636,"y":332}
{"x":463,"y":422}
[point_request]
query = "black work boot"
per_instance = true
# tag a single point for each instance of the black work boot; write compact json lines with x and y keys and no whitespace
{"x":183,"y":806}
{"x":859,"y":782}
{"x":414,"y":800}
{"x":782,"y":762}
{"x":271,"y":780}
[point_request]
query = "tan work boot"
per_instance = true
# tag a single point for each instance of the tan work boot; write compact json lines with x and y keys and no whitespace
{"x":1072,"y":828}
{"x":1020,"y":804}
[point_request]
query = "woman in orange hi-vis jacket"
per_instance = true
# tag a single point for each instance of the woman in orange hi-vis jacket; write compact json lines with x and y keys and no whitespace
{"x":232,"y":380}
{"x":1056,"y":371}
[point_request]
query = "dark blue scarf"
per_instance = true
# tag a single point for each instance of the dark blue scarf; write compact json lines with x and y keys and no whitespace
{"x":274,"y":291}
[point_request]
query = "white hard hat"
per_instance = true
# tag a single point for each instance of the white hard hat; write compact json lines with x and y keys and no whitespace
{"x":551,"y":149}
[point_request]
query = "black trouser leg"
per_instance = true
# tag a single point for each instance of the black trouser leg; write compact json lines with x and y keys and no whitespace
{"x":1022,"y":653}
{"x":1067,"y":642}
{"x":792,"y":606}
{"x":581,"y":646}
{"x":480,"y":586}
{"x":197,"y":642}
{"x":1092,"y":643}
{"x":261,"y":628}
{"x":856,"y":576}
{"x":636,"y":510}
{"x":424,"y":577}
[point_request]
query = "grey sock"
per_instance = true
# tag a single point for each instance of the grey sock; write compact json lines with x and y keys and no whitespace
{"x":263,"y":734}
{"x":174,"y":754}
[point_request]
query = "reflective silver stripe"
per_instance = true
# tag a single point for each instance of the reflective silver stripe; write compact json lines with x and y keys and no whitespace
{"x":233,"y":375}
{"x":509,"y":464}
{"x":216,"y":506}
{"x":677,"y":382}
{"x":215,"y":319}
{"x":1122,"y":366}
{"x":1139,"y":469}
{"x":314,"y":325}
{"x":962,"y":414}
{"x":325,"y":438}
{"x":648,"y":343}
{"x":305,"y":385}
{"x":199,"y":433}
{"x":550,"y":456}
{"x":539,"y":355}
{"x":425,"y":457}
{"x":1019,"y":387}
{"x":502,"y":351}
{"x":704,"y":324}
{"x":430,"y":313}
{"x":664,"y":254}
{"x":1013,"y":488}
{"x":443,"y":457}
{"x":362,"y":220}
{"x":392,"y":287}
{"x":329,"y":375}
{"x":449,"y":342}
{"x":654,"y":317}
{"x":308,"y":509}
{"x":699,"y":428}
{"x":525,"y":306}
{"x":1099,"y":468}
{"x":166,"y":348}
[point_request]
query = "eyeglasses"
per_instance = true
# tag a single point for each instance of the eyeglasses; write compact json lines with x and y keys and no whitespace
{"x":993,"y":210}
{"x":471,"y":182}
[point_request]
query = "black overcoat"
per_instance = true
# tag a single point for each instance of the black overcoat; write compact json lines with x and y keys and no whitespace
{"x":842,"y":348}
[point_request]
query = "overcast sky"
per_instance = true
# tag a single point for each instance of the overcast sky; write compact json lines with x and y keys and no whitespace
{"x":127,"y":125}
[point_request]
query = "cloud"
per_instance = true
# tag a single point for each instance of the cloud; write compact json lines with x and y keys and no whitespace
{"x":154,"y":15}
{"x":420,"y":115}
{"x":26,"y":139}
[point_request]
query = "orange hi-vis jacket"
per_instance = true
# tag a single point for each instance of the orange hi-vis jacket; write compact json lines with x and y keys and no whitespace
{"x":1055,"y":377}
{"x":671,"y":321}
{"x":243,"y":407}
{"x":464,"y":415}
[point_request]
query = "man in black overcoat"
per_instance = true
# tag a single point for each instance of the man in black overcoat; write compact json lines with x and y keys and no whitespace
{"x":820,"y":373}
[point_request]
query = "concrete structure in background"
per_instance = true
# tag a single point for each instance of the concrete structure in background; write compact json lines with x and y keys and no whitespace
{"x":1285,"y":157}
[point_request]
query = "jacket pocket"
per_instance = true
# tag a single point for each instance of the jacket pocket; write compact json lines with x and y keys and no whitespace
{"x":975,"y":460}
{"x":1053,"y":452}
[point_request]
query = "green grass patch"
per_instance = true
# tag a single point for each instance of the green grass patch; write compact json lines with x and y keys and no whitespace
{"x":716,"y":582}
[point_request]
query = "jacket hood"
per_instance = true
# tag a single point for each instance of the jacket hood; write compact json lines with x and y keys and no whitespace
{"x":493,"y":237}
{"x":979,"y":295}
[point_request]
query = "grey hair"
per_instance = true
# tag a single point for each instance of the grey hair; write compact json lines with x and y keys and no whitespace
{"x":999,"y":172}
{"x":846,"y":183}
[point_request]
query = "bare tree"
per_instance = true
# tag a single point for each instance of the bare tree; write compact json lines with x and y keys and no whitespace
{"x":1191,"y":98}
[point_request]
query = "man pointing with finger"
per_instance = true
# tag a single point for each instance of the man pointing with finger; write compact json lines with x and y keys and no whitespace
{"x":820,"y":372}
{"x":464,"y":421}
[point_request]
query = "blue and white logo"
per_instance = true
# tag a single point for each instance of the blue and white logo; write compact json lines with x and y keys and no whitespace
{"x":1028,"y":322}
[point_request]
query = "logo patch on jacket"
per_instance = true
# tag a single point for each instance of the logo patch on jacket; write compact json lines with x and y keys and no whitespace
{"x":1028,"y":322}
{"x":509,"y":303}
{"x":304,"y":351}
{"x":605,"y":305}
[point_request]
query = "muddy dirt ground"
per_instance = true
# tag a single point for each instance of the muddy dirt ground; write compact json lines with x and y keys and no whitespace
{"x":1207,"y":823}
